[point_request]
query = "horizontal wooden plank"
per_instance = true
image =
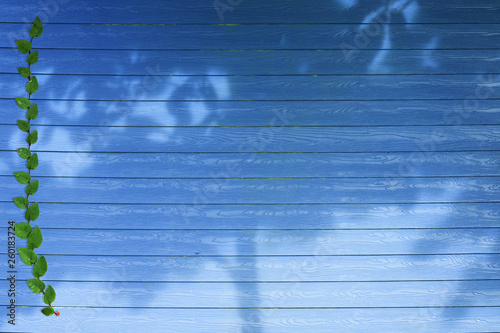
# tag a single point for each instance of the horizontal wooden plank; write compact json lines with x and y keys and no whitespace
{"x":299,"y":62}
{"x":257,"y":11}
{"x":248,"y":165}
{"x":265,"y":295}
{"x":460,"y":320}
{"x":285,"y":269}
{"x":338,"y":217}
{"x":268,"y":242}
{"x":259,"y":37}
{"x":261,"y":191}
{"x":266,"y":139}
{"x":255,"y":88}
{"x":469,"y":111}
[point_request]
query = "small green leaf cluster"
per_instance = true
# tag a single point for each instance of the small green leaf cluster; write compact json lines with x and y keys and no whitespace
{"x":24,"y":230}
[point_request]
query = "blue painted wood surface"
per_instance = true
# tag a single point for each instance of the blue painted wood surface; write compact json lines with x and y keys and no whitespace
{"x":260,"y":166}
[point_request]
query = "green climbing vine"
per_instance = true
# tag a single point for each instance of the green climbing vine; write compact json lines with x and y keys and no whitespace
{"x":25,"y":230}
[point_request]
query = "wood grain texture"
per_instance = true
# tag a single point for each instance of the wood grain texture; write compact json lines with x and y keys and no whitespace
{"x":271,"y":295}
{"x":456,"y":87}
{"x":258,"y":217}
{"x":271,"y":167}
{"x":469,"y":111}
{"x":376,"y":268}
{"x":252,"y":165}
{"x":260,"y":37}
{"x":258,"y":191}
{"x":271,"y":62}
{"x":269,"y":242}
{"x":264,"y":320}
{"x":258,"y":11}
{"x":255,"y":88}
{"x":254,"y":140}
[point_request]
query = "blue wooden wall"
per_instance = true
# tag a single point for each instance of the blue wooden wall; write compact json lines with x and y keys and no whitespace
{"x":259,"y":166}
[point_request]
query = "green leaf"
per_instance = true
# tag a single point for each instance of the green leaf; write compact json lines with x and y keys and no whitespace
{"x":32,"y":188}
{"x":48,"y":311}
{"x":27,"y":256}
{"x":23,"y":46}
{"x":37,"y":28}
{"x":22,"y":230}
{"x":24,"y":153}
{"x":24,"y":71}
{"x":50,"y":295}
{"x":40,"y":267}
{"x":23,"y":125}
{"x":32,"y":85}
{"x":32,"y":162}
{"x":32,"y":58}
{"x":21,"y":202}
{"x":22,"y":177}
{"x":32,"y":112}
{"x":36,"y":285}
{"x":35,"y":239}
{"x":32,"y":212}
{"x":23,"y":102}
{"x":32,"y":137}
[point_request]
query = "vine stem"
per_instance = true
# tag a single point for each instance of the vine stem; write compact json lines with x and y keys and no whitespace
{"x":29,"y":120}
{"x":57,"y":313}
